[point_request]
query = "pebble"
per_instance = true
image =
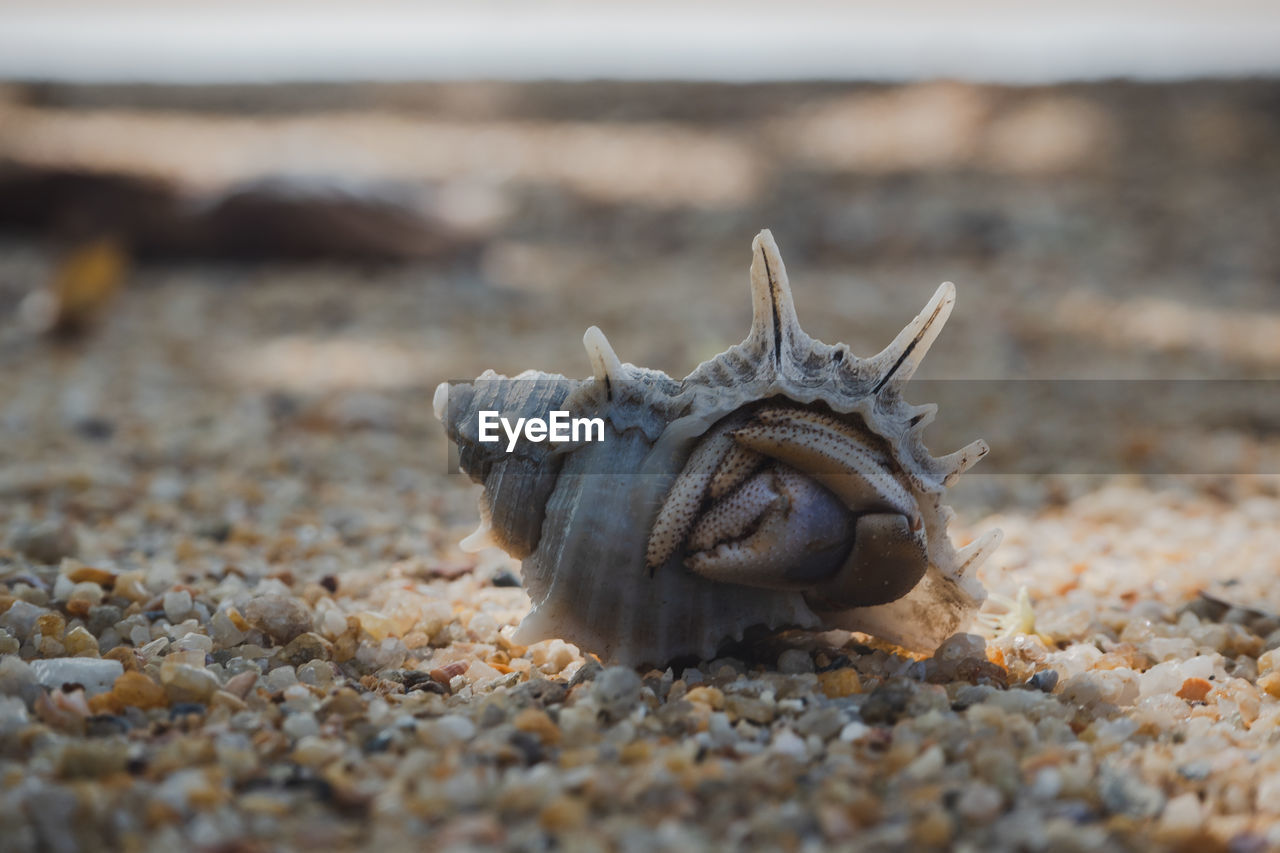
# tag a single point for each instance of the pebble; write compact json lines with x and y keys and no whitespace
{"x":979,"y":802}
{"x":854,"y":731}
{"x":280,"y":617}
{"x":96,"y":676}
{"x":18,"y":679}
{"x":300,"y":725}
{"x":537,"y":722}
{"x":787,"y":742}
{"x":47,"y":542}
{"x":453,"y":728}
{"x":795,"y":661}
{"x":20,"y":619}
{"x":186,"y":683}
{"x":839,"y":683}
{"x":137,"y":690}
{"x":78,"y":642}
{"x":281,"y":678}
{"x":305,"y":648}
{"x":616,"y":690}
{"x":177,"y":604}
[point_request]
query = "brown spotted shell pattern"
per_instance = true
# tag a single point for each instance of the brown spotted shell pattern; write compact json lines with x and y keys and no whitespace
{"x":782,"y":483}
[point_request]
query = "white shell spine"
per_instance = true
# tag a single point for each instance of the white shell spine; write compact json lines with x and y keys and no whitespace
{"x":586,"y":572}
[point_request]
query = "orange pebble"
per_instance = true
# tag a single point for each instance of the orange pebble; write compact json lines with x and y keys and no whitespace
{"x":1194,"y":689}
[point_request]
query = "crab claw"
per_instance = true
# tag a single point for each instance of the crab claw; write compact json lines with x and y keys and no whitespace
{"x":780,"y":530}
{"x":887,"y":561}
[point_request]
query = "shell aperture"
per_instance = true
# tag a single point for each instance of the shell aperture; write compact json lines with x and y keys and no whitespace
{"x":782,"y":483}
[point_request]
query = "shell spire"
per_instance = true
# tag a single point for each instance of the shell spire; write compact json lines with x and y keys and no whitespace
{"x":775,"y":329}
{"x":605,"y":364}
{"x":898,"y":362}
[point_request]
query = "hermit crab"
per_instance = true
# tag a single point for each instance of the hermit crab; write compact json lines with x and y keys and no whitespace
{"x":782,"y":483}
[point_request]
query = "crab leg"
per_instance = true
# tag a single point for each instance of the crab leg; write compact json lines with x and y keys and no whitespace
{"x":832,"y":453}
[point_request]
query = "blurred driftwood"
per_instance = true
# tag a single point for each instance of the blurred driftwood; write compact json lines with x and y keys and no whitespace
{"x":274,"y":219}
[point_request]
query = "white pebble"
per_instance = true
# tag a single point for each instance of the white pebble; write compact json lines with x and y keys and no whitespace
{"x":96,"y":675}
{"x":979,"y":802}
{"x":155,"y":647}
{"x":854,"y":731}
{"x":280,"y":678}
{"x":788,"y":742}
{"x":300,"y":725}
{"x":453,"y":728}
{"x":195,"y":642}
{"x":177,"y":604}
{"x":333,"y":624}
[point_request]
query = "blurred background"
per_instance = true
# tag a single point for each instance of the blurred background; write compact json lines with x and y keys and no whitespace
{"x":249,"y":236}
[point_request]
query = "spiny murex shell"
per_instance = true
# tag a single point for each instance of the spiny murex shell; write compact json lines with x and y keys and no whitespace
{"x":782,"y":483}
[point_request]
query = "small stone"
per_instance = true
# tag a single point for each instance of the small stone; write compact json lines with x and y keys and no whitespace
{"x":979,"y":802}
{"x":1182,"y":816}
{"x":230,"y":701}
{"x":177,"y":604}
{"x":960,"y":647}
{"x":795,"y":662}
{"x":1045,"y":680}
{"x":281,"y":678}
{"x":854,"y":731}
{"x":241,"y":683}
{"x":453,"y":728}
{"x":789,"y":743}
{"x":102,"y":617}
{"x":153,"y":648}
{"x":711,"y":697}
{"x":1270,"y":683}
{"x":1124,"y":794}
{"x":20,"y":619}
{"x":46,"y":542}
{"x":314,"y":751}
{"x":1194,"y":689}
{"x":445,"y":674}
{"x":505,"y":578}
{"x":822,"y":723}
{"x":838,"y":683}
{"x":51,"y":625}
{"x":305,"y":648}
{"x":91,"y":759}
{"x":137,"y":690}
{"x":95,"y":675}
{"x":80,"y":573}
{"x":616,"y":691}
{"x":320,"y":673}
{"x":186,"y":683}
{"x":194,"y":642}
{"x":80,"y":643}
{"x":17,"y":678}
{"x":333,"y":624}
{"x":132,"y":585}
{"x":128,"y":657}
{"x":300,"y":725}
{"x":537,"y":722}
{"x":927,"y":765}
{"x":562,"y":814}
{"x":280,"y":617}
{"x":376,"y":625}
{"x":886,"y":703}
{"x":223,"y":631}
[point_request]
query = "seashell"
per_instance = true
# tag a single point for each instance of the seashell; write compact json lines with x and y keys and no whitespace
{"x":782,"y":483}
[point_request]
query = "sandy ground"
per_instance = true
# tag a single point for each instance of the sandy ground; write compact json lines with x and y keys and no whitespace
{"x":233,"y":491}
